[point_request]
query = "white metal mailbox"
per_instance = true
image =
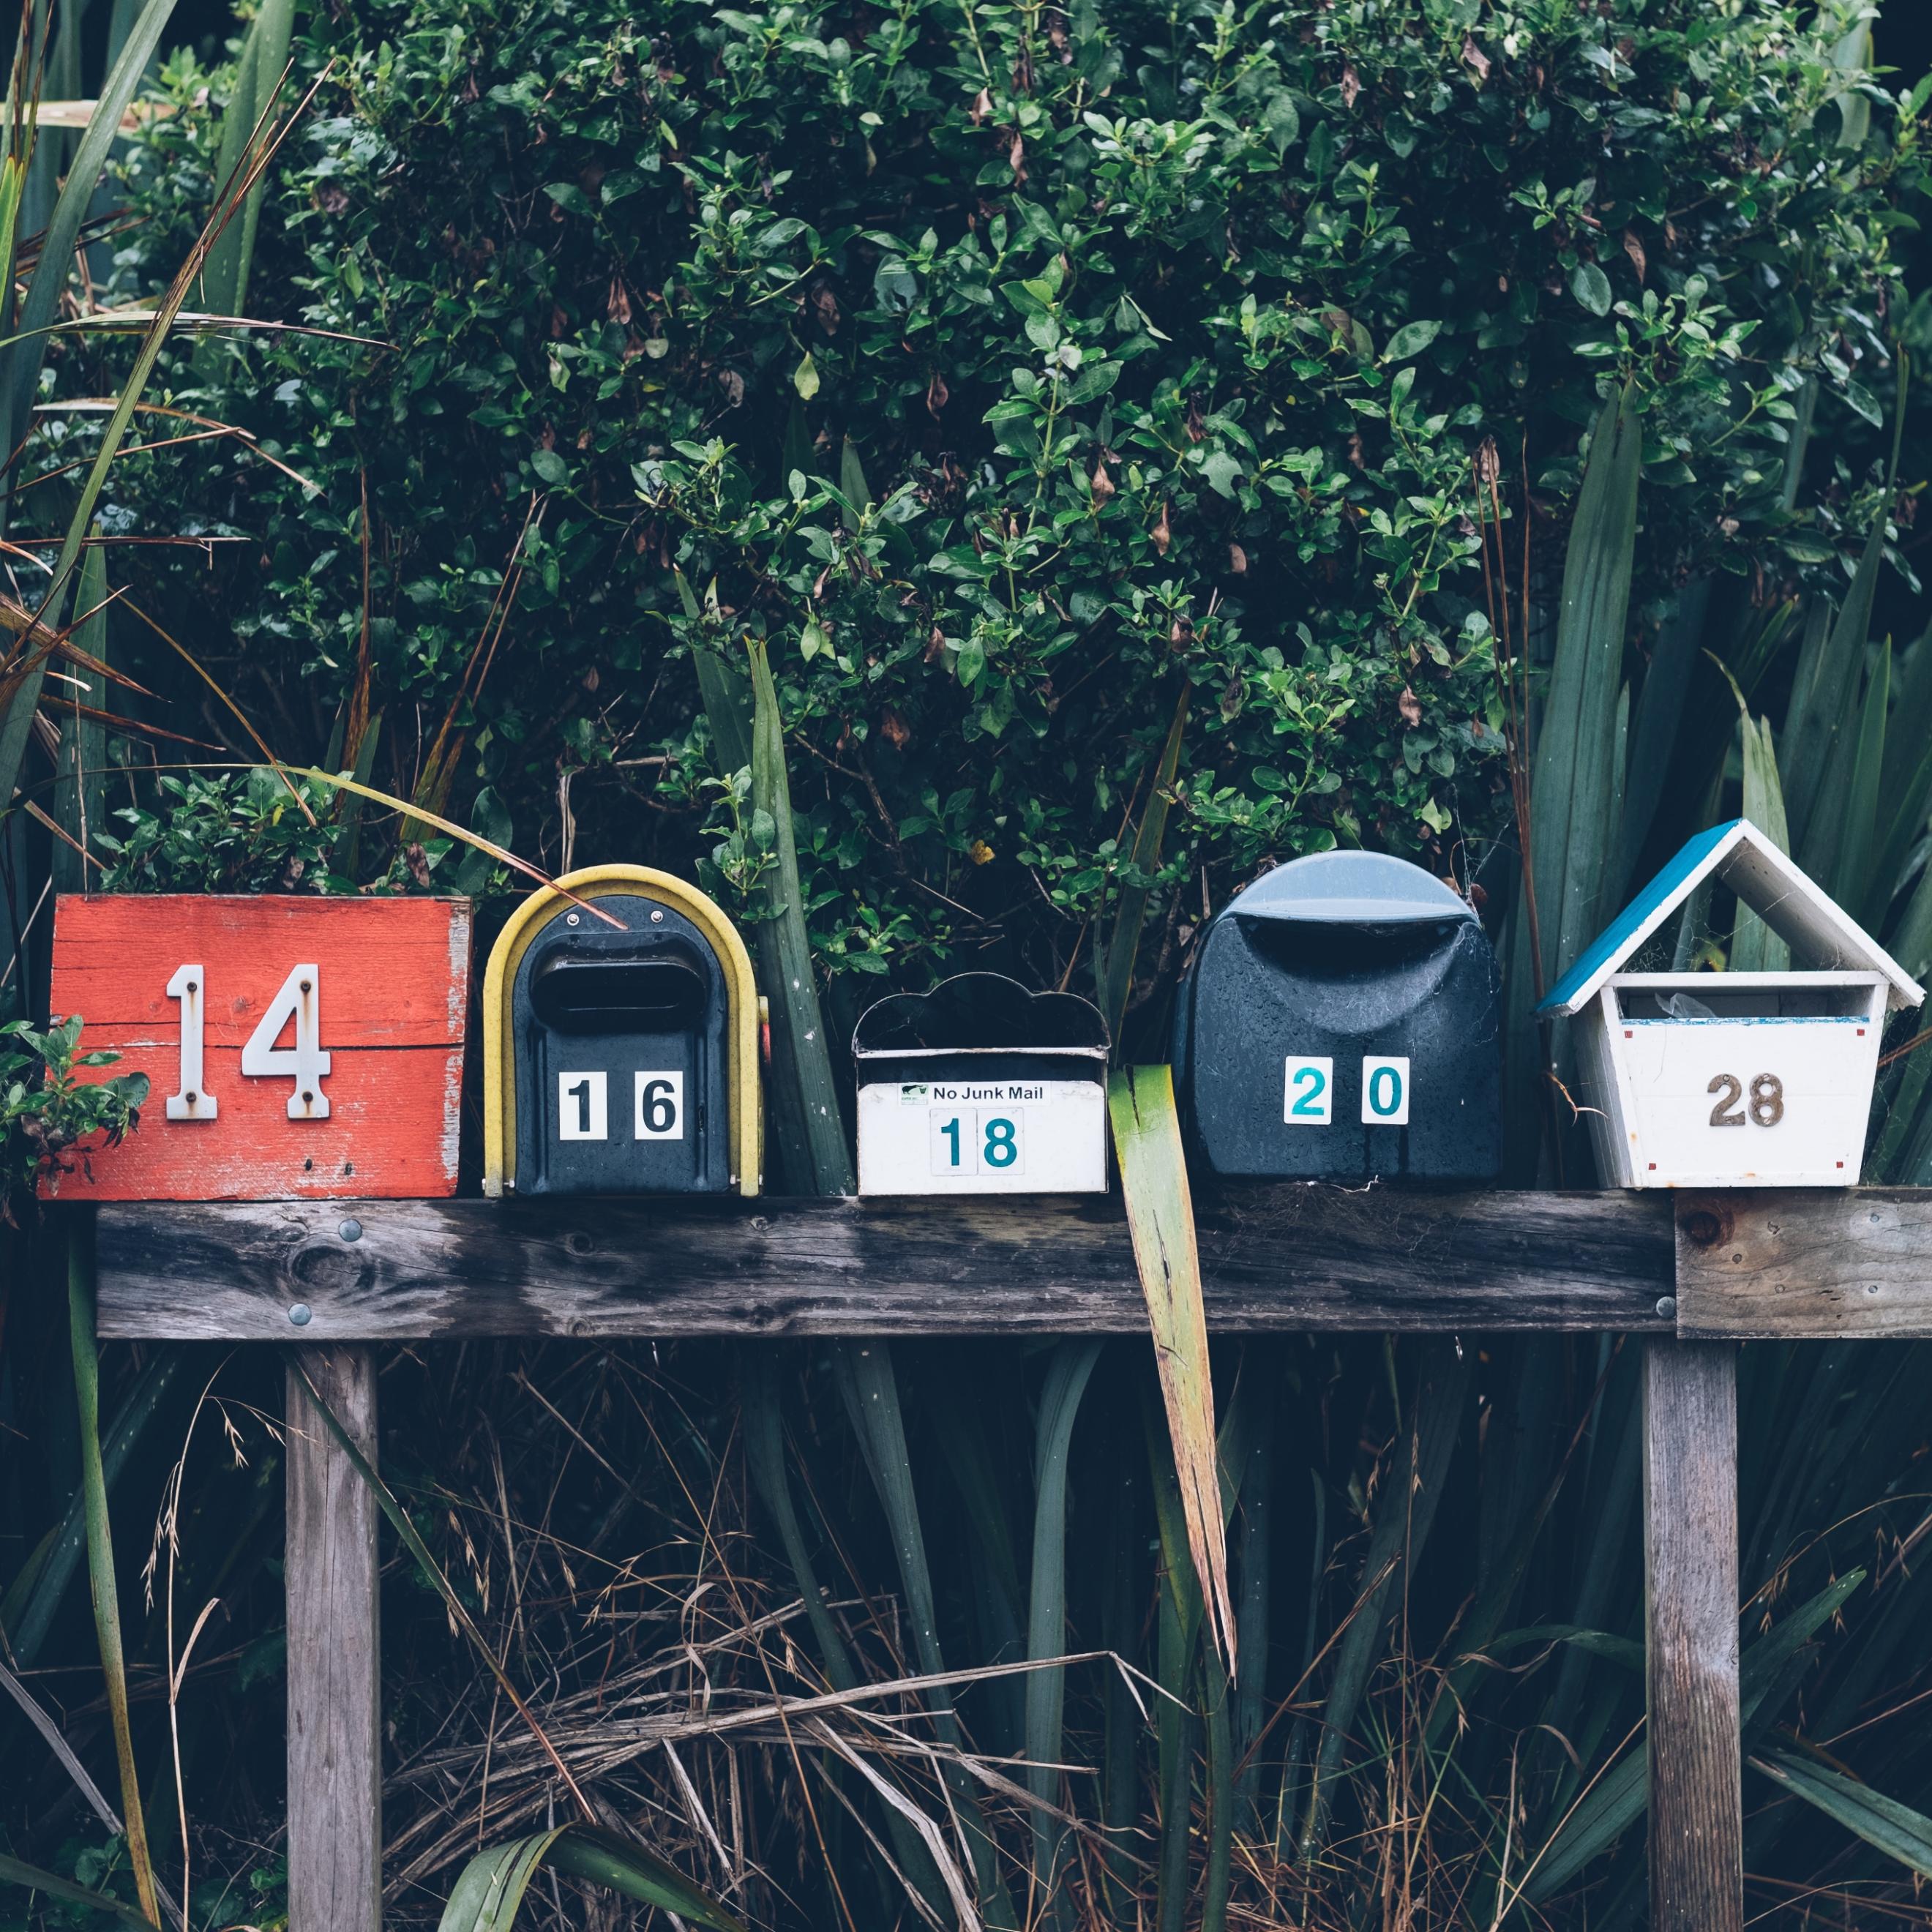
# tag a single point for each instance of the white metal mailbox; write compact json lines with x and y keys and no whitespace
{"x":1732,"y":1079}
{"x":980,"y":1086}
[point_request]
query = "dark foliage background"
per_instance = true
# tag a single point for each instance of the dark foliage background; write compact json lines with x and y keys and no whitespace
{"x":1012,"y":371}
{"x":1158,"y":347}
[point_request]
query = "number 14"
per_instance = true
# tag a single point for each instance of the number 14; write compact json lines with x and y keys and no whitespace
{"x":298,"y":1002}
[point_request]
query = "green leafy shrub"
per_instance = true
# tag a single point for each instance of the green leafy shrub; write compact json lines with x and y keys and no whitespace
{"x":222,"y":831}
{"x":252,"y":831}
{"x":47,"y":1112}
{"x":1006,"y":370}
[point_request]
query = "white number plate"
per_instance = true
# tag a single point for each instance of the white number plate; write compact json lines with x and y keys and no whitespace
{"x":982,"y":1137}
{"x":1763,"y":1102}
{"x":1308,"y":1099}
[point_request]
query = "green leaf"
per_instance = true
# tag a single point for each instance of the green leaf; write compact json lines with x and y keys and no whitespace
{"x":1221,"y":470}
{"x":550,"y":466}
{"x":1404,"y":1511}
{"x":81,"y":1298}
{"x":55,"y":260}
{"x":17,"y":1871}
{"x":1280,"y":121}
{"x":490,"y":1890}
{"x":1883,"y":1822}
{"x":1067,"y":1380}
{"x":1755,"y":948}
{"x":1160,"y":1217}
{"x":804,"y":377}
{"x":869,"y":1385}
{"x":1412,"y":339}
{"x":1824,"y":707}
{"x":1115,"y":967}
{"x":1575,"y":778}
{"x":258,"y":75}
{"x":1591,"y":287}
{"x":806,"y":1123}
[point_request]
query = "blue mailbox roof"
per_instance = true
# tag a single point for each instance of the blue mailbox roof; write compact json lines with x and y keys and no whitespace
{"x":1350,"y":889}
{"x":1817,"y":930}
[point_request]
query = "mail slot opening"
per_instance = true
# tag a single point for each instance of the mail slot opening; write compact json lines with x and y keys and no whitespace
{"x":1323,"y":949}
{"x":617,"y":994}
{"x":1709,"y":998}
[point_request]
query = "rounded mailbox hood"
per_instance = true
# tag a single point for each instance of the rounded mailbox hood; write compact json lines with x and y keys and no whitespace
{"x":1350,"y":889}
{"x":977,"y":1011}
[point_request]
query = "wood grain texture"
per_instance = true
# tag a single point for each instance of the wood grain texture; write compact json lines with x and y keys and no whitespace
{"x":1817,"y":1263}
{"x":394,"y":977}
{"x":334,"y":1732}
{"x":1273,"y":1258}
{"x":1690,"y":1636}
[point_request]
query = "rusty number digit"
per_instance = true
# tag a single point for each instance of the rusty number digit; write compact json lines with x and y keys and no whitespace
{"x":1767,"y":1099}
{"x":1727,"y":1086}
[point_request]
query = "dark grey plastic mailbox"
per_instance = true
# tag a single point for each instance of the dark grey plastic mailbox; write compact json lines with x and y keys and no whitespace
{"x":620,"y":1045}
{"x":1341,"y":1022}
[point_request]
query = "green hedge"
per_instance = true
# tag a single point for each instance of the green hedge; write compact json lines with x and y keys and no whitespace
{"x":1010,"y":368}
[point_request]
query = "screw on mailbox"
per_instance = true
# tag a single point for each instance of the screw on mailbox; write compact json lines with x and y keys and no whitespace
{"x":299,"y":1315}
{"x":1666,"y":1306}
{"x":350,"y":1230}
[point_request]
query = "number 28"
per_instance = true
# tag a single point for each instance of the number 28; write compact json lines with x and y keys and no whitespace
{"x":1767,"y":1100}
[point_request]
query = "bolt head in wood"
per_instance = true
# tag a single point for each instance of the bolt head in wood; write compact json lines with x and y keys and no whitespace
{"x":300,"y":1315}
{"x":1666,"y":1306}
{"x":350,"y":1230}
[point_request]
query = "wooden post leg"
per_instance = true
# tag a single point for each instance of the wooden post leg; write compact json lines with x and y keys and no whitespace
{"x":1691,"y":1635}
{"x":335,"y":1757}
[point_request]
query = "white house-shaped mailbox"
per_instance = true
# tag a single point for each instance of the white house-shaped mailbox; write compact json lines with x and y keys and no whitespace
{"x":1732,"y":1079}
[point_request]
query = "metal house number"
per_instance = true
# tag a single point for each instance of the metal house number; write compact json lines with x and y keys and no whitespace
{"x":1766,"y":1104}
{"x":297,"y":1001}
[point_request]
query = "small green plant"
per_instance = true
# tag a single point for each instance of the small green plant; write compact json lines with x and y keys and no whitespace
{"x":223,"y":832}
{"x":48,"y":1112}
{"x":252,"y":831}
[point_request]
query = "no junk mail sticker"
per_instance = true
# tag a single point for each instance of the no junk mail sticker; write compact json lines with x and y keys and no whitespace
{"x":294,"y":1048}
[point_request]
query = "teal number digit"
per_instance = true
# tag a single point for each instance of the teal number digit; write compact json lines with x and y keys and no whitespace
{"x":1002,"y":1148}
{"x":1315,"y":1081}
{"x":951,"y":1131}
{"x":1385,"y":1099}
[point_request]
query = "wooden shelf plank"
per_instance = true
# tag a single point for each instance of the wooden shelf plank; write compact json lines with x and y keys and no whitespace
{"x":1819,"y":1264}
{"x":1273,"y":1258}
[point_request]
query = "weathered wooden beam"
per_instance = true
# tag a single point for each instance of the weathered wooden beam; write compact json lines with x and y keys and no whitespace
{"x":1690,"y":1636}
{"x":329,"y":1572}
{"x":1273,"y":1258}
{"x":1822,"y":1263}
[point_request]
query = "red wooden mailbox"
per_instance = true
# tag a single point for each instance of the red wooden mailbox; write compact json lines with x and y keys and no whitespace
{"x":294,"y":1047}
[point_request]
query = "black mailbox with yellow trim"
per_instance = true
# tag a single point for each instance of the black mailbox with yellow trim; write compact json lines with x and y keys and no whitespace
{"x":621,"y":1031}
